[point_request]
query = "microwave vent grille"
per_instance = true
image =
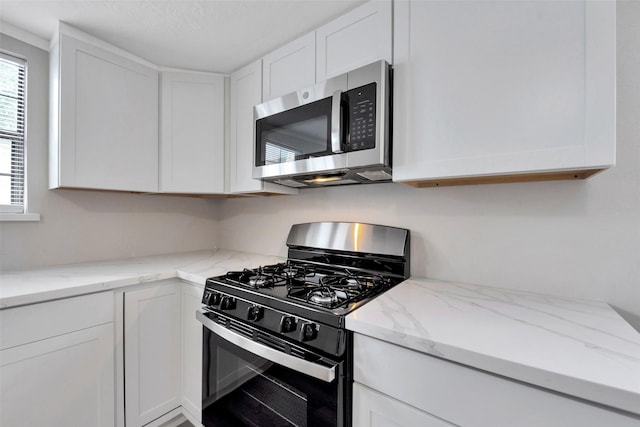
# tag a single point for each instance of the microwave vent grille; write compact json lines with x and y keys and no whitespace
{"x":374,"y":175}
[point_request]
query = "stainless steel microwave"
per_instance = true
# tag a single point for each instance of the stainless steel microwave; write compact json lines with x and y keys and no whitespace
{"x":335,"y":132}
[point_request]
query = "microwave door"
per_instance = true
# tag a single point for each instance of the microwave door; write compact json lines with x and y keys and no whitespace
{"x":301,"y":133}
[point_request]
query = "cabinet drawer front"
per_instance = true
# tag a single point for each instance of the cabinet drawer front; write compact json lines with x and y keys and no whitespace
{"x":373,"y":409}
{"x":469,"y":397}
{"x":35,"y":322}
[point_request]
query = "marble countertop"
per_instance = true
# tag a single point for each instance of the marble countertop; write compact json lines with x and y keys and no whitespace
{"x":42,"y":284}
{"x":581,"y":348}
{"x":578,"y":347}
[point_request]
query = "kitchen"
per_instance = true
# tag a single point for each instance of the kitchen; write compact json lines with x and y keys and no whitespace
{"x":575,"y":239}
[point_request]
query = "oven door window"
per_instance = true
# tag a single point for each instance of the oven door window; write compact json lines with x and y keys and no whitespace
{"x":296,"y":134}
{"x":242,"y":389}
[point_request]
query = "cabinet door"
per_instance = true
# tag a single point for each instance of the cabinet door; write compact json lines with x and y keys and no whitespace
{"x":191,"y":351}
{"x":192,"y":133}
{"x":371,"y":409}
{"x":355,"y":39}
{"x":289,"y":68}
{"x":64,"y":381}
{"x":107,"y":112}
{"x":152,"y":360}
{"x":246,"y":91}
{"x":489,"y":87}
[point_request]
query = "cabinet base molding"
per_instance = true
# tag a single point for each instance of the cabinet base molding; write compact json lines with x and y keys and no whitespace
{"x":171,"y":419}
{"x":504,"y":179}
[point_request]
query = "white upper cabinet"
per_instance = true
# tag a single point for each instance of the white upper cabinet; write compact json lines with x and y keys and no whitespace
{"x":498,"y":91}
{"x":357,"y":38}
{"x":192,"y":112}
{"x":246,"y":91}
{"x":104,"y":116}
{"x":289,"y":68}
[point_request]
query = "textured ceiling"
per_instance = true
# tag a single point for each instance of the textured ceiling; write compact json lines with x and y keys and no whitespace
{"x":206,"y":35}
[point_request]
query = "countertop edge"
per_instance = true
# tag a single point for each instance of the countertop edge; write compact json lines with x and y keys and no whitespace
{"x":194,"y":267}
{"x":572,"y":387}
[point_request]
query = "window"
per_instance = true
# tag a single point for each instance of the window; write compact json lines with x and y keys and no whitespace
{"x":12,"y":130}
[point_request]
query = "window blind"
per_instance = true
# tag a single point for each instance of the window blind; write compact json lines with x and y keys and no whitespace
{"x":12,"y":132}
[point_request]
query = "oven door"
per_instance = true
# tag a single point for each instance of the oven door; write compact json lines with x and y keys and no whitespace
{"x":251,"y":378}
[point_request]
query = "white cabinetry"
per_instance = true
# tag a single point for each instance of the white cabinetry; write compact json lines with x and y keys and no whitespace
{"x":495,"y":91}
{"x":191,"y":352}
{"x":152,"y":355}
{"x":192,"y":117}
{"x":289,"y":68}
{"x":445,"y":392}
{"x":372,"y":408}
{"x":246,"y":91}
{"x":103,"y":117}
{"x":357,"y":38}
{"x":57,"y":363}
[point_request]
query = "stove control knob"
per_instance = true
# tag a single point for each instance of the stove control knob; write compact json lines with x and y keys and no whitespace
{"x":210,"y":297}
{"x":215,"y":298}
{"x":206,"y":297}
{"x":308,"y":332}
{"x":227,"y":303}
{"x":288,"y":324}
{"x":255,"y":313}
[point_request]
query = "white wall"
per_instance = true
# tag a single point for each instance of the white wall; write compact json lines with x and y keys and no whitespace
{"x":578,"y":238}
{"x":79,"y":226}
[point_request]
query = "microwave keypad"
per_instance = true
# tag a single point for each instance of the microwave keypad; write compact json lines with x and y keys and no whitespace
{"x":362,"y":118}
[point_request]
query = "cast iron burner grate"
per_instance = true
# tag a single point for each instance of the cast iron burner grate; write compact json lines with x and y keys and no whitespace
{"x":270,"y":276}
{"x":339,"y":289}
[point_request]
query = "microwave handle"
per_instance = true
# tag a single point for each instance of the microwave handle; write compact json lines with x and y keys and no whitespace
{"x":336,"y":122}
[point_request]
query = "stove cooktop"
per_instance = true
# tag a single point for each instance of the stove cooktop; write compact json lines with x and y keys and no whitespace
{"x":333,"y":268}
{"x":320,"y":293}
{"x":328,"y":287}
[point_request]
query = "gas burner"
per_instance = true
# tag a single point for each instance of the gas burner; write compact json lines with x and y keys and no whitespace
{"x":290,"y":271}
{"x":351,"y":280}
{"x":259,"y":281}
{"x":267,"y":277}
{"x":322,"y":297}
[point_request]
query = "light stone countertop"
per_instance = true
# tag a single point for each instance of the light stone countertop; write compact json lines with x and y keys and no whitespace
{"x":30,"y":286}
{"x":581,"y":348}
{"x":578,"y":347}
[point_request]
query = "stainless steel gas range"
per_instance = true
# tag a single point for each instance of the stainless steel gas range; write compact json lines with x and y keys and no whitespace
{"x":275,"y":348}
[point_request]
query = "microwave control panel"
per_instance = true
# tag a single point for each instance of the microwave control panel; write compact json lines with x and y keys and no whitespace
{"x":361,"y":117}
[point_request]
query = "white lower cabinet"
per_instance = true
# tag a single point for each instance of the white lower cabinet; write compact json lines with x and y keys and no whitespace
{"x":162,"y":353}
{"x":371,"y":408}
{"x":395,"y":386}
{"x":152,"y":355}
{"x":191,"y":352}
{"x":57,"y":363}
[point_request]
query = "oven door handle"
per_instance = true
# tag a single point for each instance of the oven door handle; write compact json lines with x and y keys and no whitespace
{"x":300,"y":365}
